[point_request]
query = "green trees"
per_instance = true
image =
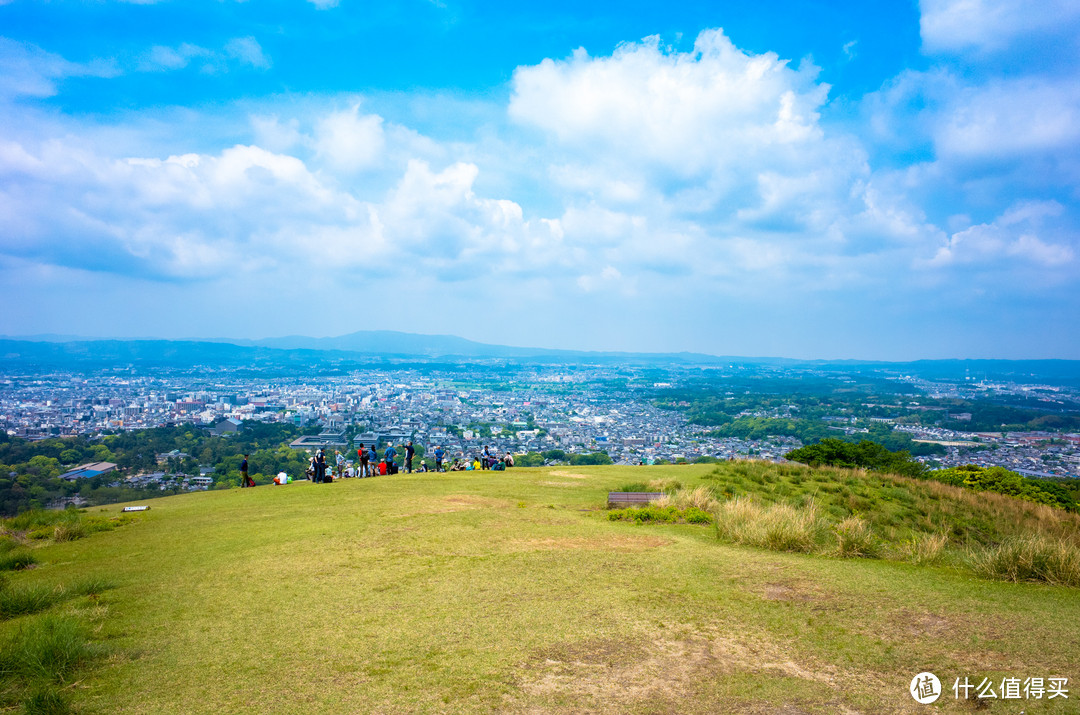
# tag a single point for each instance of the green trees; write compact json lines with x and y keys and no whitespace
{"x":862,"y":455}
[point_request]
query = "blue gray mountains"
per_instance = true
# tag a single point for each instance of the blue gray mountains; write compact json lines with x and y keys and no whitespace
{"x":379,"y":346}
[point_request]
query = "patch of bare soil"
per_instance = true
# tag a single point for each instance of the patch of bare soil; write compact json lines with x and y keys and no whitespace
{"x":794,"y":592}
{"x":557,"y":484}
{"x":615,"y":675}
{"x":922,"y":624}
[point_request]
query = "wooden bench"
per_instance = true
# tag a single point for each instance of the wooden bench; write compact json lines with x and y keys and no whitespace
{"x":625,"y":499}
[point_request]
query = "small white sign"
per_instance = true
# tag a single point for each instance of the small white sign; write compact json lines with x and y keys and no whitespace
{"x":135,"y":508}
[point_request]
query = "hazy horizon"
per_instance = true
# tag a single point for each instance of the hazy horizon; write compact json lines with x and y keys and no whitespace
{"x":836,"y":181}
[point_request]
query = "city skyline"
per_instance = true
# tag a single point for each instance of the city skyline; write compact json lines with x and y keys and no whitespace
{"x":819,"y":183}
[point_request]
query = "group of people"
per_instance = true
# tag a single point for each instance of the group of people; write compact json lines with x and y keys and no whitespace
{"x":369,"y":464}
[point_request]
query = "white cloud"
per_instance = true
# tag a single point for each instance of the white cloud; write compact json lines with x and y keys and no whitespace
{"x":26,"y":69}
{"x":163,"y":59}
{"x":1010,"y":117}
{"x":688,"y":112}
{"x":1011,"y":237}
{"x":239,"y":50}
{"x":958,"y":25}
{"x":247,"y":50}
{"x":350,"y":141}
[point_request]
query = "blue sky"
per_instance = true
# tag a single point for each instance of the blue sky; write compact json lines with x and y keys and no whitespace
{"x":801,"y":179}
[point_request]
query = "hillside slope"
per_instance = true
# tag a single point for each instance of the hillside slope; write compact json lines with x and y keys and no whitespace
{"x":514,"y":592}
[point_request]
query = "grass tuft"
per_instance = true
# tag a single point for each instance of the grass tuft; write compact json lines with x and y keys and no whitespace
{"x":46,"y":701}
{"x":68,"y":531}
{"x":1030,"y":558}
{"x":779,"y":527}
{"x":16,"y":560}
{"x":855,"y":539}
{"x":48,"y":649}
{"x":24,"y":600}
{"x":92,"y":586}
{"x":925,"y":548}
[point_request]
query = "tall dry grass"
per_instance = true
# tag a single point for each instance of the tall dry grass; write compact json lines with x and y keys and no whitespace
{"x":779,"y":527}
{"x":700,"y":498}
{"x":924,"y":548}
{"x":855,"y":539}
{"x":1030,"y":558}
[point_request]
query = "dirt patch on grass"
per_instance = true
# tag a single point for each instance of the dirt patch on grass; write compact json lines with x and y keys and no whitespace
{"x":558,"y":484}
{"x":615,"y":675}
{"x":922,"y":624}
{"x":596,"y":543}
{"x":794,"y":592}
{"x":455,"y":502}
{"x":568,"y":475}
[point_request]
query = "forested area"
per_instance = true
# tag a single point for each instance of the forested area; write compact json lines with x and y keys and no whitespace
{"x":29,"y":471}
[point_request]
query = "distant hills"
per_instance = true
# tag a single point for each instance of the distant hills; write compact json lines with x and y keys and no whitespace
{"x":367,"y":346}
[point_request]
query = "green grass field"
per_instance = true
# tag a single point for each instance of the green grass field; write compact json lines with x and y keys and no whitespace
{"x":513,"y":592}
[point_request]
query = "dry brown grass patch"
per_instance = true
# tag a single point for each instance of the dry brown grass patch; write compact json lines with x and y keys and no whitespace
{"x":615,"y":542}
{"x":609,"y":675}
{"x":569,"y":475}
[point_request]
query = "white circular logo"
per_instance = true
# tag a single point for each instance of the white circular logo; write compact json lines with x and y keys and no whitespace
{"x":925,"y":688}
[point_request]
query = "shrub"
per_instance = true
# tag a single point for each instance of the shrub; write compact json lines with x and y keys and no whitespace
{"x":663,"y":485}
{"x":855,"y":540}
{"x":693,"y":515}
{"x":1030,"y":558}
{"x":660,"y":514}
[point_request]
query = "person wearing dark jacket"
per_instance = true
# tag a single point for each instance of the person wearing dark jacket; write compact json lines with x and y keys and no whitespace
{"x":245,"y":480}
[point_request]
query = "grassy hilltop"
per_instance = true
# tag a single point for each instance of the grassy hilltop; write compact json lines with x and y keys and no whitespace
{"x":519,"y":592}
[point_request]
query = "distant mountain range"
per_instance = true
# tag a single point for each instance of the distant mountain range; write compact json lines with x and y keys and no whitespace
{"x":376,"y":345}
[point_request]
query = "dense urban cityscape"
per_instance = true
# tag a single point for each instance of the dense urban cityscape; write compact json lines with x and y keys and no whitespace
{"x":634,"y":415}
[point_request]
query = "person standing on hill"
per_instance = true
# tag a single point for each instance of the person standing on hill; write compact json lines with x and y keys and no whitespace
{"x":320,"y":467}
{"x":439,"y":454}
{"x":373,"y":460}
{"x":410,"y":452}
{"x":339,"y":463}
{"x":362,"y":454}
{"x":389,"y":455}
{"x":245,"y":480}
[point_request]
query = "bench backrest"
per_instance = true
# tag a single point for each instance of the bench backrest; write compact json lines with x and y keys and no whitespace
{"x":632,"y":497}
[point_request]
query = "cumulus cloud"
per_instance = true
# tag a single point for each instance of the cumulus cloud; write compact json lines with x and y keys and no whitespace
{"x":349,"y":140}
{"x":708,"y":175}
{"x":1012,"y":236}
{"x":685,"y":111}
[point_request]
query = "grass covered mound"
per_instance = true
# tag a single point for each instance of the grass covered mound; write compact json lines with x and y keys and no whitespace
{"x":515,"y":592}
{"x":865,"y":454}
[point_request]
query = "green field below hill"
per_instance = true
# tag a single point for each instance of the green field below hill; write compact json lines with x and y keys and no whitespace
{"x":476,"y":592}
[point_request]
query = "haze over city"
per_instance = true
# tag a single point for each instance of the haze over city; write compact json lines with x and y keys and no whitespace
{"x":829,"y":181}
